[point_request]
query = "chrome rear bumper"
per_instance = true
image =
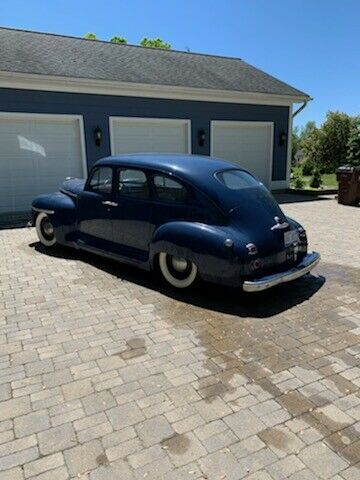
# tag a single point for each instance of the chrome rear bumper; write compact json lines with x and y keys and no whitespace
{"x":307,"y":264}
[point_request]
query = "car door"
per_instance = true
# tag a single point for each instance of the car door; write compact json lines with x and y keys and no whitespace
{"x":131,"y":218}
{"x":173,"y":200}
{"x":95,"y":209}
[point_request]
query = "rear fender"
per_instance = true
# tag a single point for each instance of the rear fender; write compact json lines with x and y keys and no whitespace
{"x":202,"y":244}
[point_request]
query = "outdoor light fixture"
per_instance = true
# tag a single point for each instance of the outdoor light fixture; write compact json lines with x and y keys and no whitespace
{"x":282,"y":138}
{"x":201,"y":137}
{"x":98,"y":136}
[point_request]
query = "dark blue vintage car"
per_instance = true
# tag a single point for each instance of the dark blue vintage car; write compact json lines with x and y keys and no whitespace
{"x":188,"y":216}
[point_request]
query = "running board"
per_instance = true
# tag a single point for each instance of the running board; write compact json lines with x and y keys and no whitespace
{"x":112,"y":256}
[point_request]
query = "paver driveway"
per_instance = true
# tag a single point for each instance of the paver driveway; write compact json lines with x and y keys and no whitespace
{"x":105,"y":374}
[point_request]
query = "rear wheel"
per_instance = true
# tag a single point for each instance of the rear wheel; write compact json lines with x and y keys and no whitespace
{"x":45,"y":230}
{"x":177,"y":271}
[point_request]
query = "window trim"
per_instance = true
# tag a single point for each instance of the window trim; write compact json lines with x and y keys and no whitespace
{"x":117,"y":183}
{"x":189,"y":195}
{"x":93,"y":171}
{"x":227,"y":170}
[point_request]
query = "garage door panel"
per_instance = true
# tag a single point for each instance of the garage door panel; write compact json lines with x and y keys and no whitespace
{"x":247,"y":144}
{"x":149,"y":135}
{"x":36,"y":155}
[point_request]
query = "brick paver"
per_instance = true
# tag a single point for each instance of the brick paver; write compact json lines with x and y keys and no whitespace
{"x":105,"y":373}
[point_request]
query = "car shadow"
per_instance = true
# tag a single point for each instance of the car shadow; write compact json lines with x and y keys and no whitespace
{"x":232,"y":301}
{"x":289,"y":197}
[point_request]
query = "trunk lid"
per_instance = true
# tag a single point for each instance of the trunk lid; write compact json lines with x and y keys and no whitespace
{"x":255,"y":216}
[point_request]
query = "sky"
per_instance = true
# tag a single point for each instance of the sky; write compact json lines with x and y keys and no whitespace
{"x":311,"y":44}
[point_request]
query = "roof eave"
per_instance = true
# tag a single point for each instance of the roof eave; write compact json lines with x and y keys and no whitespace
{"x":34,"y":81}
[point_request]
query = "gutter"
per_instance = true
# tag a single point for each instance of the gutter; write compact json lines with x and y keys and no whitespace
{"x":52,"y":83}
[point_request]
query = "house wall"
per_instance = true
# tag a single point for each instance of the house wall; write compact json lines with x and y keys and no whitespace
{"x":96,"y":110}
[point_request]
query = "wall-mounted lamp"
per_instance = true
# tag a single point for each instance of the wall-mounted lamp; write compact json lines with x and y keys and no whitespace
{"x":282,"y":138}
{"x":201,"y":137}
{"x":97,"y":136}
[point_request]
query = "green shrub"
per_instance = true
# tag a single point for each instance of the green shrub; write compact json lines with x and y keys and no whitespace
{"x":307,"y":168}
{"x":298,"y":181}
{"x":316,"y":180}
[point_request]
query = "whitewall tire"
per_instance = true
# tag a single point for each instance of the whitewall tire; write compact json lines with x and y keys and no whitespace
{"x":179,"y":272}
{"x":45,"y":230}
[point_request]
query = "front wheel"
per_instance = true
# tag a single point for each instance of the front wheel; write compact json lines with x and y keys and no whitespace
{"x":45,"y":230}
{"x":177,"y":271}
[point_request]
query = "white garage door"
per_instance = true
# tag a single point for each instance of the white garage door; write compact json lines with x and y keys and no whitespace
{"x":37,"y":152}
{"x":136,"y":135}
{"x":249,"y":144}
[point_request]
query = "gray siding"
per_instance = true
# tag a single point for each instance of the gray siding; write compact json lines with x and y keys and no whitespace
{"x":96,"y":110}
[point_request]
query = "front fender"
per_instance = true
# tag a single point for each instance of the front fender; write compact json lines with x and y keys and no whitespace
{"x":60,"y":207}
{"x":202,"y":244}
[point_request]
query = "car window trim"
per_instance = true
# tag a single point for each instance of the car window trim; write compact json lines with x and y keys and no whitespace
{"x":92,"y":172}
{"x":225,"y":170}
{"x":117,"y":182}
{"x":189,"y":195}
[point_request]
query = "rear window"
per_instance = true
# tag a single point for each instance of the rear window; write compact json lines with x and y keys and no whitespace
{"x":236,"y":179}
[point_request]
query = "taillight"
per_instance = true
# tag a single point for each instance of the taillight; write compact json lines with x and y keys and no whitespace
{"x":252,"y":249}
{"x":302,"y":235}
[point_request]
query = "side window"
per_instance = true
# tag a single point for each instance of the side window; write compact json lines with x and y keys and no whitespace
{"x":133,"y":183}
{"x":101,"y":180}
{"x":169,"y":190}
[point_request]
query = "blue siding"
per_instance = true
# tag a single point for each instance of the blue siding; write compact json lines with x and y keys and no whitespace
{"x":97,"y":108}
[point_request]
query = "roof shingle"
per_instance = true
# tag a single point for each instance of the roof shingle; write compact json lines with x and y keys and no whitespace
{"x":49,"y":54}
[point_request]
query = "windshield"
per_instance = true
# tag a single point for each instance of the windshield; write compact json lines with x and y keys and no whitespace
{"x":236,"y":179}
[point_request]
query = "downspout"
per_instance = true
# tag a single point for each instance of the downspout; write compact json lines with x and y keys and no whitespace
{"x":301,"y":107}
{"x":291,"y":117}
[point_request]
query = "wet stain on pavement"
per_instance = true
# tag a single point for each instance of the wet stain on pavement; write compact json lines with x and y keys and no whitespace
{"x":102,"y":460}
{"x":177,"y":444}
{"x":249,"y":350}
{"x":135,"y":348}
{"x":275,"y":437}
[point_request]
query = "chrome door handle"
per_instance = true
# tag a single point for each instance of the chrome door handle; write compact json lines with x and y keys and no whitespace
{"x":107,"y":203}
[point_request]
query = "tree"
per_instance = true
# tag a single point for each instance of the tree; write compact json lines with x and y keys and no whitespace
{"x":326,"y":147}
{"x":307,"y":129}
{"x":295,"y":144}
{"x":90,"y":36}
{"x":155,"y":43}
{"x":118,"y":40}
{"x":353,"y":146}
{"x":334,"y":138}
{"x":299,"y":137}
{"x":311,"y":145}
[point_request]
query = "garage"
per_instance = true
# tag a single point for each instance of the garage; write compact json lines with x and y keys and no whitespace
{"x":74,"y":101}
{"x":137,"y":135}
{"x":249,"y":144}
{"x":37,"y":153}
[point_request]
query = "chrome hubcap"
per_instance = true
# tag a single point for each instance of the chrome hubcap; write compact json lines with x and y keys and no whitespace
{"x":48,"y":228}
{"x":179,"y":264}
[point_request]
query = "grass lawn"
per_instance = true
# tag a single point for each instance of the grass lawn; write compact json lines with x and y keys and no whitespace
{"x":329,"y":182}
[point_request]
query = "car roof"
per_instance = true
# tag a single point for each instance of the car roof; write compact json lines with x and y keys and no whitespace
{"x":197,"y":170}
{"x":187,"y":166}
